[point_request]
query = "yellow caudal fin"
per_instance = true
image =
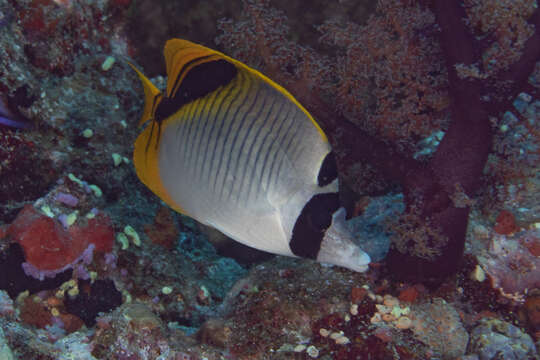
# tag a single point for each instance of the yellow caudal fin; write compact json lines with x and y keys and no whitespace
{"x":152,"y":97}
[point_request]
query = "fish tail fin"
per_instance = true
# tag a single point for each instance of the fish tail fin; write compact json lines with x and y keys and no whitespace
{"x":152,"y":97}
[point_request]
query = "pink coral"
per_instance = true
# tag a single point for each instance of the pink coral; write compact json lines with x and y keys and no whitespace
{"x":392,"y":77}
{"x":49,"y":248}
{"x":511,"y":266}
{"x":504,"y":21}
{"x":388,"y":76}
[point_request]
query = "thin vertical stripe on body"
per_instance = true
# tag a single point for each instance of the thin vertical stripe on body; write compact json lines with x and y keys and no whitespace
{"x":272,"y":120}
{"x":238,"y":142}
{"x":231,"y":121}
{"x":197,"y":107}
{"x":240,"y":120}
{"x":212,"y":115}
{"x":244,"y":158}
{"x":180,"y":130}
{"x":284,"y":158}
{"x":279,"y":153}
{"x":198,"y":134}
{"x":285,"y":121}
{"x":219,"y":139}
{"x":187,"y":128}
{"x":218,"y":116}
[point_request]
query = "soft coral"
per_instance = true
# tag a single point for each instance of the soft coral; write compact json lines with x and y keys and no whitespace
{"x":49,"y":248}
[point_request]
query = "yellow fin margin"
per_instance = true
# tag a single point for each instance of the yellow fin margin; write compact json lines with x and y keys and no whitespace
{"x":146,"y":161}
{"x":179,"y":52}
{"x":145,"y":154}
{"x":152,"y":97}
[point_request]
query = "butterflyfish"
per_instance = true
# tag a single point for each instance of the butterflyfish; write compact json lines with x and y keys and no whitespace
{"x":232,"y":149}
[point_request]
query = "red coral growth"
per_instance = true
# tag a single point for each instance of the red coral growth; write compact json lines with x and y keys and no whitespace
{"x":505,"y":22}
{"x":409,"y":294}
{"x":48,"y":246}
{"x":358,"y":294}
{"x":35,"y":313}
{"x":121,"y":3}
{"x":26,"y":174}
{"x":505,"y":223}
{"x":71,"y":322}
{"x":532,"y":243}
{"x":365,"y":343}
{"x":37,"y":17}
{"x":388,"y":77}
{"x":510,"y":265}
{"x":98,"y":231}
{"x":163,"y":231}
{"x":532,"y":312}
{"x":45,"y":24}
{"x":392,"y":77}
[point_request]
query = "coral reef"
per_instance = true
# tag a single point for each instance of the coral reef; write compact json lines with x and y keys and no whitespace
{"x":438,"y":325}
{"x":435,"y":125}
{"x":92,"y":299}
{"x":397,"y":109}
{"x":494,"y":338}
{"x":511,"y":265}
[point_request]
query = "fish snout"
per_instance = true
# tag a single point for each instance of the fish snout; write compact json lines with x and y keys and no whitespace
{"x":338,"y":246}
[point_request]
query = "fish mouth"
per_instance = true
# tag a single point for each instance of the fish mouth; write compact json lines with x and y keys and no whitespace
{"x":338,"y":246}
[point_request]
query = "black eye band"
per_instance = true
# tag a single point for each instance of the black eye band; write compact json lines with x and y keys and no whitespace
{"x":328,"y":171}
{"x":309,"y":229}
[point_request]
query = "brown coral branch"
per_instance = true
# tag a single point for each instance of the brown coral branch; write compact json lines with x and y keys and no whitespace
{"x":516,"y":76}
{"x":460,"y":158}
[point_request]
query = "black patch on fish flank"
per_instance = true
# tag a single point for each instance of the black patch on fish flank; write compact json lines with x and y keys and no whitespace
{"x":311,"y":225}
{"x":198,"y":82}
{"x":328,"y":170}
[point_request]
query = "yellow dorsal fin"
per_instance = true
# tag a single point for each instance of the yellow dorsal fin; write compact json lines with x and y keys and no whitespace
{"x":179,"y":53}
{"x":152,"y":97}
